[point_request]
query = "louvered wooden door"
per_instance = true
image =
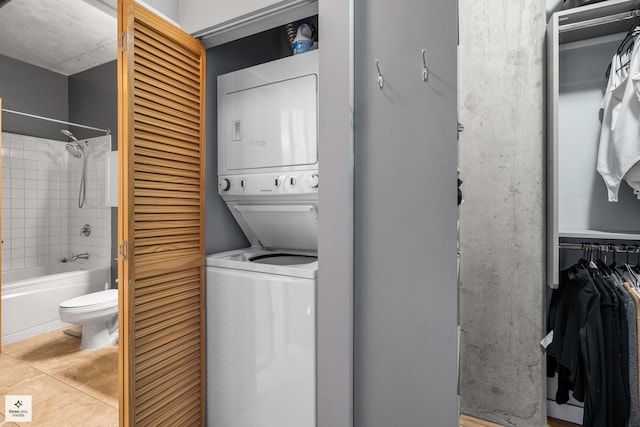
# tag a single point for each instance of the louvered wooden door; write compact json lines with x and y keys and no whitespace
{"x":161,"y":201}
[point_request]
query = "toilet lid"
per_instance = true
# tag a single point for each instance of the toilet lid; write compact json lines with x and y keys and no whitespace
{"x":101,"y":299}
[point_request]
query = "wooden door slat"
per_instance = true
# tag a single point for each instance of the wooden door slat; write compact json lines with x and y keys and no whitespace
{"x":144,"y":209}
{"x":158,"y":339}
{"x":168,"y":281}
{"x":152,"y":241}
{"x":164,"y":323}
{"x":157,"y":414}
{"x":165,"y":133}
{"x":157,"y":194}
{"x":165,"y":168}
{"x":146,"y":90}
{"x":159,"y":103}
{"x":190,"y":145}
{"x":157,"y":121}
{"x":164,"y":113}
{"x":166,"y":256}
{"x":153,"y":232}
{"x":165,"y":101}
{"x":154,"y":185}
{"x":144,"y":176}
{"x":157,"y":383}
{"x":169,"y":353}
{"x":160,"y":88}
{"x":166,"y":69}
{"x":169,"y":46}
{"x":179,"y":63}
{"x":166,"y":152}
{"x":172,"y":248}
{"x":145,"y":69}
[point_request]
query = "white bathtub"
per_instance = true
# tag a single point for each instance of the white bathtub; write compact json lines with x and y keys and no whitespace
{"x":30,"y":296}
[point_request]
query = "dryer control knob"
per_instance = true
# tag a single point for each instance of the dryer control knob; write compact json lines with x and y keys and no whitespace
{"x":224,"y":184}
{"x":313,"y":180}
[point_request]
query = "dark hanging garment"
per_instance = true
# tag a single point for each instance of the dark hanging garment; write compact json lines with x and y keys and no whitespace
{"x":577,"y":350}
{"x":568,"y":4}
{"x":622,"y":399}
{"x":616,"y":350}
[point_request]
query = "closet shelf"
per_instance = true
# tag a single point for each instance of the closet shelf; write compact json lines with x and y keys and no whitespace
{"x":600,"y":235}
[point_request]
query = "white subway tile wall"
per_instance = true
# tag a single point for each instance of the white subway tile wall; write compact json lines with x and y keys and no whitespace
{"x":41,"y":221}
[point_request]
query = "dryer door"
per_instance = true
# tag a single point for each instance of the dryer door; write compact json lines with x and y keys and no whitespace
{"x":273,"y":125}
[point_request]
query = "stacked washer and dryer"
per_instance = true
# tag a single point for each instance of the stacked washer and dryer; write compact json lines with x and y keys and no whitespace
{"x":261,"y":300}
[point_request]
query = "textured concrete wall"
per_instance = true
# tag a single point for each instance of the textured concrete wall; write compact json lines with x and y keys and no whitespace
{"x":501,"y":95}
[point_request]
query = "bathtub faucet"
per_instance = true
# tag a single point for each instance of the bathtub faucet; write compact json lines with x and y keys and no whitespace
{"x":75,"y":257}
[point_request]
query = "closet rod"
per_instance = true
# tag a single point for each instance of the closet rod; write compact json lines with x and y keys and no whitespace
{"x":632,"y":249}
{"x":603,"y":20}
{"x":106,"y":131}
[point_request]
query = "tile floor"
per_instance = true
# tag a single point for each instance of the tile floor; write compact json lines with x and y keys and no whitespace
{"x":69,"y":387}
{"x":73,"y":388}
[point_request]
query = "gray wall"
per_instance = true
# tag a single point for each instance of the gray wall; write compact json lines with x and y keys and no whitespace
{"x":501,"y":90}
{"x":33,"y":90}
{"x":93,"y":101}
{"x":405,"y":216}
{"x":222,"y":231}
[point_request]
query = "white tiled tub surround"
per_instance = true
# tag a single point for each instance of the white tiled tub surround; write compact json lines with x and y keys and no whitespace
{"x":40,"y":217}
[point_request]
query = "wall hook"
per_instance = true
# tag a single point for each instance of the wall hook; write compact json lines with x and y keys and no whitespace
{"x":425,"y":70}
{"x":380,"y":78}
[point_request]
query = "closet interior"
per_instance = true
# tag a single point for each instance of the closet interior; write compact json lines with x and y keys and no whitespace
{"x":593,"y":240}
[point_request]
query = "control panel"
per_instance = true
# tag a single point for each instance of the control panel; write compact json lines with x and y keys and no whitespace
{"x":265,"y":184}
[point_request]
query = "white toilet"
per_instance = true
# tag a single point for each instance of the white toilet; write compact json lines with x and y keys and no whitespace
{"x":97,"y":313}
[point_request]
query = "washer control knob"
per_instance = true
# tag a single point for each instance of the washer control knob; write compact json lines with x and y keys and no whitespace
{"x":242,"y":183}
{"x":224,"y":184}
{"x":292,"y":181}
{"x":278,"y":182}
{"x":313,"y":180}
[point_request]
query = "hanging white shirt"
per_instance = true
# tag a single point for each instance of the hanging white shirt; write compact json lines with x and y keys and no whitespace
{"x":619,"y":148}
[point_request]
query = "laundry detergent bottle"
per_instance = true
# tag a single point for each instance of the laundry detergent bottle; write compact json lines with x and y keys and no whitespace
{"x":303,"y":41}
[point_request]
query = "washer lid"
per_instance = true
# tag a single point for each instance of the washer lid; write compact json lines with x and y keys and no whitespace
{"x":280,"y":226}
{"x":105,"y":298}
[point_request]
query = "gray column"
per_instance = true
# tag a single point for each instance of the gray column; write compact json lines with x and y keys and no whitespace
{"x":501,"y":95}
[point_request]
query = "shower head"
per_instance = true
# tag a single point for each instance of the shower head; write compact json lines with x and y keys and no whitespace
{"x":68,"y":134}
{"x":74,"y":148}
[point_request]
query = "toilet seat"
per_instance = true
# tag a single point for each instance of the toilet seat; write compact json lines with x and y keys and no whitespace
{"x":92,"y":302}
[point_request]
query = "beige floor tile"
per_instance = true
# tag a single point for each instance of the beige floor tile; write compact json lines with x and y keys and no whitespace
{"x":57,"y":354}
{"x":44,"y":348}
{"x":95,"y":373}
{"x":113,"y":400}
{"x":13,"y":372}
{"x":57,"y":404}
{"x":70,"y":387}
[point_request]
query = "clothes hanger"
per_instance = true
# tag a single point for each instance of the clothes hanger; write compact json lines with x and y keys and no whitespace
{"x":625,"y":45}
{"x":636,"y":268}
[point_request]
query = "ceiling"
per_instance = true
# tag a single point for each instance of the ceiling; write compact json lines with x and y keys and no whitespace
{"x":64,"y":36}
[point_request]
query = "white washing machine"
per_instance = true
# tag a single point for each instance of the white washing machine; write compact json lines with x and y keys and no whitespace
{"x":261,"y":300}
